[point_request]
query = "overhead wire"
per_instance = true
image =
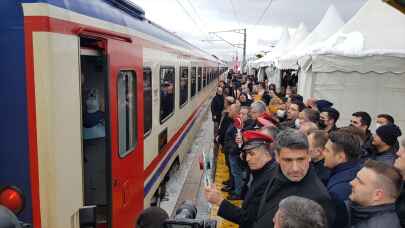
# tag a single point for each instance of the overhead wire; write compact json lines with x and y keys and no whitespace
{"x":235,"y":13}
{"x":264,"y":13}
{"x":192,"y":19}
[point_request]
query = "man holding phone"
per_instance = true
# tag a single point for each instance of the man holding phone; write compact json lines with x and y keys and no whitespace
{"x":257,"y":149}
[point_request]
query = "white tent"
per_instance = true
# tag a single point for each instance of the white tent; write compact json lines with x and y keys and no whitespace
{"x":265,"y":64}
{"x":330,"y":23}
{"x":362,"y":66}
{"x":283,"y":42}
{"x":299,"y":36}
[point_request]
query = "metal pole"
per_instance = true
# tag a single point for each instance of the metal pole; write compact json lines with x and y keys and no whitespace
{"x":244,"y":51}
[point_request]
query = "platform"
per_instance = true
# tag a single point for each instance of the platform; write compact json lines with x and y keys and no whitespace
{"x":186,"y":182}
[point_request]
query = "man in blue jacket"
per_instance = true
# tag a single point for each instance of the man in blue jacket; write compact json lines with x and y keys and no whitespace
{"x":342,"y":152}
{"x":342,"y":157}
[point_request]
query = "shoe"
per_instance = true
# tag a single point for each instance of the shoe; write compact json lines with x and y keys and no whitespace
{"x":227,"y":188}
{"x":234,"y":197}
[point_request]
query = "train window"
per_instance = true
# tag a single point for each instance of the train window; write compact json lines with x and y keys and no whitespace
{"x":193,"y":81}
{"x":199,"y":75}
{"x":167,"y":88}
{"x":126,"y":112}
{"x":147,"y":101}
{"x":183,"y":85}
{"x":205,"y":77}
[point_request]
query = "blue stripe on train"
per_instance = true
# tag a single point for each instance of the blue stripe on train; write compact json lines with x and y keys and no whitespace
{"x":14,"y":157}
{"x":162,"y":166}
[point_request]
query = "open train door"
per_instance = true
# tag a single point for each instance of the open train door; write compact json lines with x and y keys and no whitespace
{"x":125,"y":84}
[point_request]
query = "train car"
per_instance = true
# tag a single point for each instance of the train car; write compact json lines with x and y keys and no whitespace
{"x":98,"y":102}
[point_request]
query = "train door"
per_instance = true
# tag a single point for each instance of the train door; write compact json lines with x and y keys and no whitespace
{"x":112,"y":130}
{"x":126,"y":131}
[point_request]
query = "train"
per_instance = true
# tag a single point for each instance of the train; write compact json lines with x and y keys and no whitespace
{"x":98,"y":102}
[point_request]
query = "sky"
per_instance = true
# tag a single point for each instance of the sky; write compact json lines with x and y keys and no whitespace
{"x":195,"y":20}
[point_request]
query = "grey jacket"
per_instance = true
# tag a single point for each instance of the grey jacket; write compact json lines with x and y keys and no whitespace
{"x":382,"y":216}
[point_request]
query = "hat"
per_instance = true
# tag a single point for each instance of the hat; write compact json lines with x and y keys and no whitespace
{"x":253,"y":139}
{"x":152,"y":217}
{"x":389,"y":133}
{"x":323,"y":104}
{"x":264,"y":122}
{"x":269,"y":117}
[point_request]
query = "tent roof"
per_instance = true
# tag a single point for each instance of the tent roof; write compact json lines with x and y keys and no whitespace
{"x":372,"y":41}
{"x":282,"y":44}
{"x":300,"y":34}
{"x":376,"y":29}
{"x":330,"y":23}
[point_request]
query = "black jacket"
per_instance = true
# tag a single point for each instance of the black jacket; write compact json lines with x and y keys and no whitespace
{"x":223,"y":126}
{"x":280,"y":187}
{"x":217,"y":106}
{"x":322,"y":172}
{"x":229,"y":144}
{"x":388,"y":157}
{"x":246,"y":215}
{"x":400,"y":206}
{"x":381,"y":216}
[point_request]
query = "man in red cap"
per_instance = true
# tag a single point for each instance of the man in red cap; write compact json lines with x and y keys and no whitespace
{"x":257,"y":149}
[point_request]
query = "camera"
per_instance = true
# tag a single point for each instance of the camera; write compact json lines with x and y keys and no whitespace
{"x":186,"y":218}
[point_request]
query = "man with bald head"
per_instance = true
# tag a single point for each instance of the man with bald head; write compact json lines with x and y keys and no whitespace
{"x":372,"y":199}
{"x":232,"y":150}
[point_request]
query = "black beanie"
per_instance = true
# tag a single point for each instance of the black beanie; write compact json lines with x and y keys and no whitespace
{"x":389,"y":133}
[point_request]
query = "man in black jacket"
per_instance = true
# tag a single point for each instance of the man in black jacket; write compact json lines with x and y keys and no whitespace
{"x":257,"y":149}
{"x":217,"y":106}
{"x":317,"y":140}
{"x":293,"y":176}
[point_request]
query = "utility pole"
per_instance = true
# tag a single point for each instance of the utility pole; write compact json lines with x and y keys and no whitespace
{"x":244,"y":51}
{"x":235,"y":45}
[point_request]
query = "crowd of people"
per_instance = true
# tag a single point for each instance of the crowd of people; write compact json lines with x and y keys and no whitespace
{"x":294,"y":167}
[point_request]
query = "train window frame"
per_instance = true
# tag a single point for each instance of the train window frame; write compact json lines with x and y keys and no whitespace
{"x":181,"y":105}
{"x":199,"y":79}
{"x":192,"y":95}
{"x":149,"y":131}
{"x":168,"y":116}
{"x":128,"y":150}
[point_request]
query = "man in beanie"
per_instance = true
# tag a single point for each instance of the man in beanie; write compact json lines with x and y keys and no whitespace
{"x":152,"y":217}
{"x":257,"y":150}
{"x":384,"y":140}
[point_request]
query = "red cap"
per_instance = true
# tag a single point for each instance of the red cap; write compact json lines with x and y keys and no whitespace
{"x":253,"y":139}
{"x":238,"y":123}
{"x":269,"y":117}
{"x":264,"y":122}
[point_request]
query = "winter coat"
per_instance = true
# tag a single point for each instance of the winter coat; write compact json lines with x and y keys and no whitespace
{"x":322,"y":172}
{"x":223,"y":126}
{"x":339,"y":181}
{"x":388,"y":157}
{"x":246,"y":215}
{"x":230,"y":146}
{"x":217,"y":106}
{"x":280,"y":187}
{"x":381,"y":216}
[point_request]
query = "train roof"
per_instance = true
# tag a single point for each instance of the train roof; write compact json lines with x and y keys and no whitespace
{"x":124,"y":13}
